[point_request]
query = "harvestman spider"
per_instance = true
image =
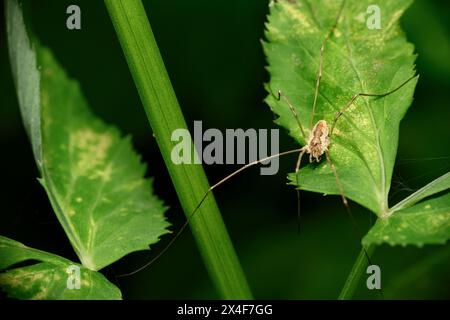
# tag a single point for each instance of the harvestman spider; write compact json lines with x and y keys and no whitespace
{"x":317,"y":144}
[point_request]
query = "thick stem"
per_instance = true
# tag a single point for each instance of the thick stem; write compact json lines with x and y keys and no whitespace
{"x":164,"y":114}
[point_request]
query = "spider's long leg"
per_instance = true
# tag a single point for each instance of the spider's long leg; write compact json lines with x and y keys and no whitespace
{"x":299,"y":160}
{"x":319,"y":72}
{"x":338,"y":181}
{"x":297,"y":168}
{"x":183,"y":227}
{"x":294,"y":113}
{"x":361,"y":94}
{"x":344,"y":200}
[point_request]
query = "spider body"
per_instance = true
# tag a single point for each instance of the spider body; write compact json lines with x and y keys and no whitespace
{"x":318,"y":141}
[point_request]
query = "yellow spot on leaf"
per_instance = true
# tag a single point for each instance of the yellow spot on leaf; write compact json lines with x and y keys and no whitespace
{"x":92,"y":148}
{"x":104,"y":174}
{"x":294,"y":12}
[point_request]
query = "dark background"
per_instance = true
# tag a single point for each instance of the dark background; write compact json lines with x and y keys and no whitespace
{"x":214,"y":57}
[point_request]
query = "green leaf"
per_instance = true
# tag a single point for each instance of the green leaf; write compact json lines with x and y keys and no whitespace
{"x":48,"y":279}
{"x":92,"y":176}
{"x":356,"y":59}
{"x":12,"y":252}
{"x":25,"y":74}
{"x":425,"y":223}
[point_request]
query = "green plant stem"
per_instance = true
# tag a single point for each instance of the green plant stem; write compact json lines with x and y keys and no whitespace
{"x":354,"y":278}
{"x":164,"y":114}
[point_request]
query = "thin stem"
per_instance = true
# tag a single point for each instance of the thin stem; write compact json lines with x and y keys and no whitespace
{"x":354,"y":278}
{"x":164,"y":114}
